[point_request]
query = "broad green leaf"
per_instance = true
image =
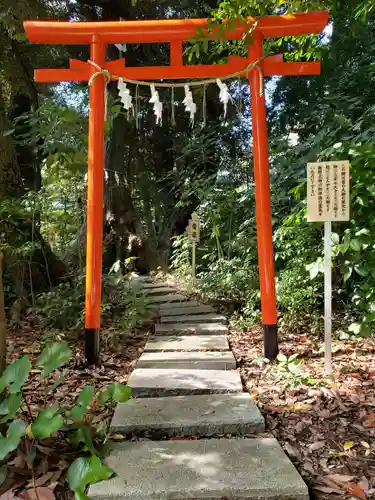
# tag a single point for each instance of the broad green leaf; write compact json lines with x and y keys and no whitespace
{"x":313,"y":269}
{"x":347,"y":271}
{"x":355,"y":328}
{"x":355,"y":245}
{"x":98,"y":471}
{"x":86,"y":396}
{"x":15,"y":375}
{"x":361,"y":270}
{"x":344,"y":247}
{"x":8,"y":132}
{"x":294,"y":368}
{"x":103,"y":397}
{"x":260,"y":361}
{"x":15,"y":433}
{"x":53,"y":356}
{"x":9,"y":406}
{"x":77,"y":473}
{"x":84,"y":471}
{"x":293,"y":357}
{"x":77,"y":413}
{"x":335,"y":238}
{"x":120,"y":393}
{"x":281,"y":357}
{"x":80,"y":494}
{"x":47,"y":422}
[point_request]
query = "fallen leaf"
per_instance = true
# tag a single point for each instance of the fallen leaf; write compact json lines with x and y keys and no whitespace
{"x":371,"y":420}
{"x":55,"y":479}
{"x":40,"y":481}
{"x":364,"y":484}
{"x":292,"y":452}
{"x":41,"y":493}
{"x":348,"y":445}
{"x":328,"y":489}
{"x":7,"y":495}
{"x":356,"y":490}
{"x":317,"y":446}
{"x":299,"y":407}
{"x":340,"y":479}
{"x":116,"y":437}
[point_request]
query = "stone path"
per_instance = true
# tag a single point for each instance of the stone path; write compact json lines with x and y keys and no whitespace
{"x":186,"y":385}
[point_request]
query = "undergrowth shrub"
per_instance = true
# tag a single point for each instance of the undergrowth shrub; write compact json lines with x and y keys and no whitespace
{"x":23,"y":430}
{"x":62,"y":308}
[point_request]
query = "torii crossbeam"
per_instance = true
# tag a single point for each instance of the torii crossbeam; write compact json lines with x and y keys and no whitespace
{"x":98,"y":35}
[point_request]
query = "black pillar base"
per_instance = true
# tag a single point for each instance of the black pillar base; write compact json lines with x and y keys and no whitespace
{"x":92,"y":345}
{"x":271,"y":346}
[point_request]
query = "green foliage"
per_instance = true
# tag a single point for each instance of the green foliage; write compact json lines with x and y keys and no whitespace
{"x":53,"y":356}
{"x":317,"y":118}
{"x":15,"y":375}
{"x":47,"y":422}
{"x":85,"y":471}
{"x":85,"y":436}
{"x":10,"y":442}
{"x":62,"y":308}
{"x":289,"y":371}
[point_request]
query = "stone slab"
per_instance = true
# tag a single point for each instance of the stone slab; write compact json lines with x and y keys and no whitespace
{"x":206,"y":415}
{"x":197,"y":329}
{"x":160,"y":291}
{"x":159,"y":299}
{"x":158,"y":382}
{"x":206,"y":469}
{"x":187,"y":303}
{"x":187,"y":343}
{"x":143,"y":278}
{"x":198,"y":318}
{"x":186,"y":310}
{"x":192,"y":360}
{"x":158,"y":284}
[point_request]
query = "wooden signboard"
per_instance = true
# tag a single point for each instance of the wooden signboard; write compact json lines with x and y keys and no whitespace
{"x":328,"y":196}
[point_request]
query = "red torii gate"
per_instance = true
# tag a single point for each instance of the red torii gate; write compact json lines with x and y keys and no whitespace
{"x":98,"y":35}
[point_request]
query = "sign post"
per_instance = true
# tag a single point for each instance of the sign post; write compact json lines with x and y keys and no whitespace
{"x":328,"y":200}
{"x":194,"y":237}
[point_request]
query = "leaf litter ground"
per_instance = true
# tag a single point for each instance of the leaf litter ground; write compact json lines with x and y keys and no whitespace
{"x":326,"y":426}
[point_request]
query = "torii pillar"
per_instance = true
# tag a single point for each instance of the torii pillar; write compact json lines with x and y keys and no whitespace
{"x":176,"y":31}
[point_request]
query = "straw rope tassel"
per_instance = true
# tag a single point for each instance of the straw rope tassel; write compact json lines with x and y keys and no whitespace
{"x":137,"y":106}
{"x":173,"y":115}
{"x":108,"y":77}
{"x":204,"y":110}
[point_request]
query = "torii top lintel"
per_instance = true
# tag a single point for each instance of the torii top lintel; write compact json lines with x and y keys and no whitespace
{"x":159,"y":31}
{"x":175,"y":31}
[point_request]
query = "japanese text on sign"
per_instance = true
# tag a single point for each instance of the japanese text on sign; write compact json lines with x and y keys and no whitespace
{"x":194,"y":229}
{"x":328,"y":196}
